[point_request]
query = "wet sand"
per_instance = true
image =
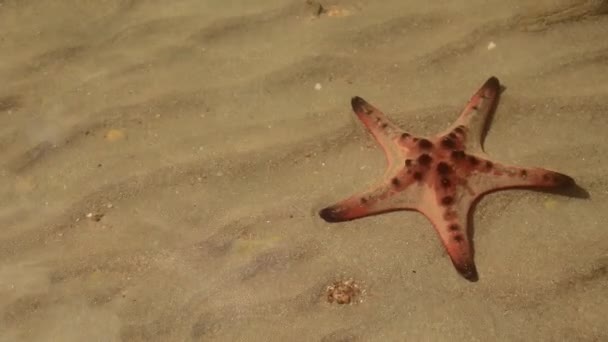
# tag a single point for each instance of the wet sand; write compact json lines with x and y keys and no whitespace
{"x":163,"y":164}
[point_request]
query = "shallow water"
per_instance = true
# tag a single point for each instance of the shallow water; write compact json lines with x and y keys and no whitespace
{"x":163,"y":164}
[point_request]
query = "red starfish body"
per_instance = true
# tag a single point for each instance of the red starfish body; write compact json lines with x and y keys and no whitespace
{"x":440,"y":176}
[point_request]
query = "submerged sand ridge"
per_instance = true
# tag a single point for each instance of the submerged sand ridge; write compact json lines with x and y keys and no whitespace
{"x":163,"y":166}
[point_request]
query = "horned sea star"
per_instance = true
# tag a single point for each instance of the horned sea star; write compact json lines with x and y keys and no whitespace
{"x":441,"y":177}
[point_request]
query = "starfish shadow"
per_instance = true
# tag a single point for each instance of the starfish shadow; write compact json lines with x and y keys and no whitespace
{"x":490,"y":116}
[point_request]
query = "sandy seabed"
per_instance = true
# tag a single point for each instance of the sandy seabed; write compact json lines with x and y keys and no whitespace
{"x":163,"y":164}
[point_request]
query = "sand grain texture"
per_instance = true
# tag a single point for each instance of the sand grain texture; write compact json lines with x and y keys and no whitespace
{"x":163,"y":162}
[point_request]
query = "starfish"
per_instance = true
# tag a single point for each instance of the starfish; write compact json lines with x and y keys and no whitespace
{"x":440,"y":176}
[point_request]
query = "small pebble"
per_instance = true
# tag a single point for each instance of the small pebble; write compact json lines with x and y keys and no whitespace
{"x":318,"y":86}
{"x":95,"y":217}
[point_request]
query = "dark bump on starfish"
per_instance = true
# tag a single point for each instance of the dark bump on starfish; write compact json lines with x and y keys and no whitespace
{"x":489,"y":164}
{"x":459,"y":129}
{"x":329,"y":214}
{"x":454,"y":227}
{"x":458,"y":154}
{"x":384,"y":125}
{"x":448,"y":143}
{"x":425,"y":159}
{"x":562,"y":180}
{"x":468,"y":271}
{"x":458,"y":238}
{"x":408,"y":162}
{"x":443,"y":168}
{"x":417,"y":175}
{"x":472,"y":160}
{"x":445,"y":182}
{"x":475,"y":108}
{"x":395,"y":181}
{"x":405,"y":136}
{"x":425,"y":144}
{"x":363,"y":200}
{"x":452,"y":135}
{"x":360,"y":105}
{"x":523,"y":174}
{"x":447,"y":200}
{"x":492,"y":83}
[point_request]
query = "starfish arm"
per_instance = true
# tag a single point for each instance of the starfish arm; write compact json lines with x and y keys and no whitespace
{"x":451,"y":224}
{"x":494,"y":176}
{"x":385,"y":132}
{"x":400,"y":193}
{"x":471,"y":126}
